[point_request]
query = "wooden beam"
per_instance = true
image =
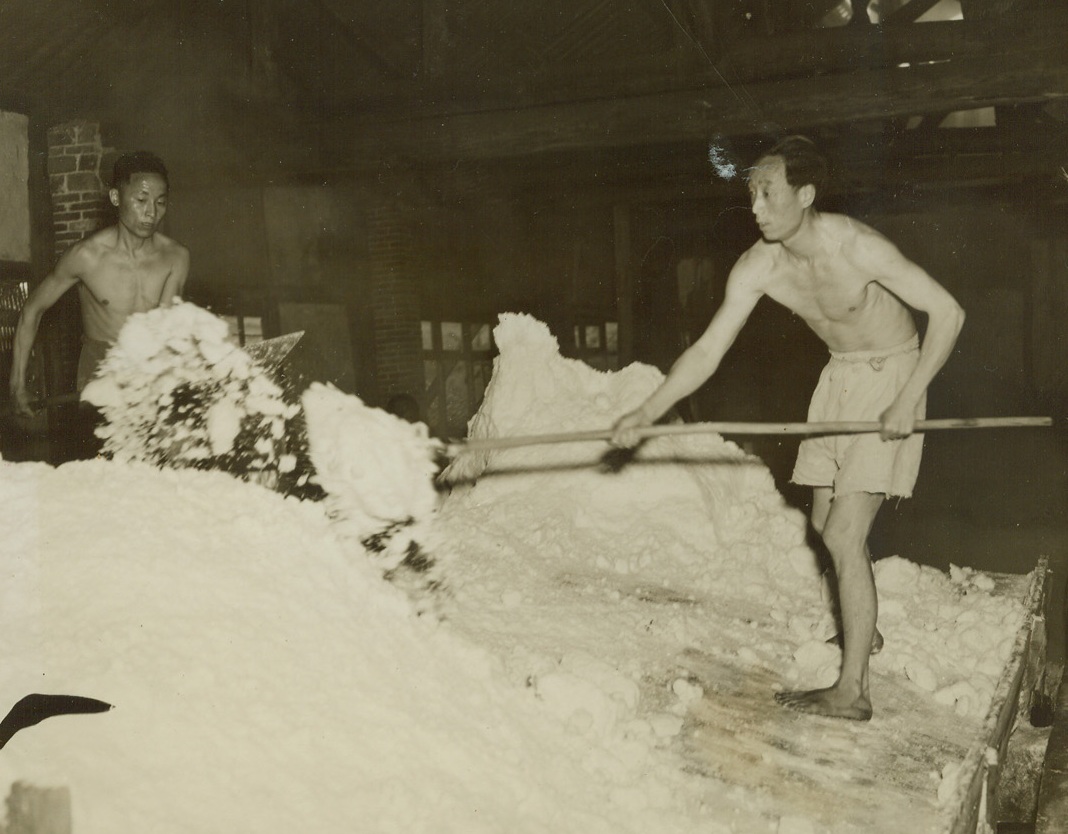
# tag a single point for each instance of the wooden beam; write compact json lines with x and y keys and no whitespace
{"x":989,"y":9}
{"x":392,"y":45}
{"x":853,"y":48}
{"x":901,"y":164}
{"x":1015,"y":74}
{"x":694,"y":24}
{"x":910,"y":12}
{"x":802,"y":53}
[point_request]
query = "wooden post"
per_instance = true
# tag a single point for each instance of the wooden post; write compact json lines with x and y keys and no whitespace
{"x":624,"y":283}
{"x":1045,"y":349}
{"x":33,"y":810}
{"x":1053,"y":790}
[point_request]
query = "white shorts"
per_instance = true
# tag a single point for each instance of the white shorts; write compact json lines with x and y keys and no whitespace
{"x":861,"y":385}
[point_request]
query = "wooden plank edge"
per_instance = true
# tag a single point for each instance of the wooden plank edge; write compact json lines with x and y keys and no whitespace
{"x":1052,"y":813}
{"x":973,"y":796}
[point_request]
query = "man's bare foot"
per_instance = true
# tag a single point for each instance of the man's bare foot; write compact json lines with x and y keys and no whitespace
{"x":832,"y":702}
{"x":876,"y":643}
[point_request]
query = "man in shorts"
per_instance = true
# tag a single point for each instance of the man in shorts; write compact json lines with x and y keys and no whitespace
{"x":856,"y":291}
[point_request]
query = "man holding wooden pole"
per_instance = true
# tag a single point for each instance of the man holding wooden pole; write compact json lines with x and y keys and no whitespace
{"x":855,"y":289}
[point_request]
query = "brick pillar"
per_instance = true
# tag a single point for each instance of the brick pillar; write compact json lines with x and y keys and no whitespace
{"x":395,"y":299}
{"x":79,"y":189}
{"x":79,"y":208}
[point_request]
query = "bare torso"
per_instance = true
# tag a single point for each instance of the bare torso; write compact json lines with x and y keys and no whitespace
{"x":116,"y":282}
{"x":843,"y":304}
{"x":851,"y":285}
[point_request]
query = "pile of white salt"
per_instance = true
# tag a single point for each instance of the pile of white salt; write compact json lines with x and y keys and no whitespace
{"x":176,"y":390}
{"x":376,"y":469}
{"x":255,"y":634}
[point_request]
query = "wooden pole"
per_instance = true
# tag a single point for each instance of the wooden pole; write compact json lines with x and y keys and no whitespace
{"x":848,"y":427}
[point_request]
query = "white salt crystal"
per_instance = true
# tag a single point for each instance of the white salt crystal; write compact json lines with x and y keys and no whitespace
{"x":795,"y":825}
{"x":921,"y":675}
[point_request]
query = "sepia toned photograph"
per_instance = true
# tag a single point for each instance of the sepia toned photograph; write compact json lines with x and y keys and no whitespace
{"x":546,"y":417}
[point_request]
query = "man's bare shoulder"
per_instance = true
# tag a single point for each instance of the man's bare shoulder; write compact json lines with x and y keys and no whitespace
{"x":169,"y":248}
{"x":97,"y":242}
{"x":849,"y":231}
{"x":862,"y":246}
{"x":169,"y":244}
{"x":755,"y":268}
{"x":87,"y":252}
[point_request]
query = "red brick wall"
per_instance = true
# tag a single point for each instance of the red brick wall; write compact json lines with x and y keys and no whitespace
{"x":78,"y":174}
{"x":76,"y":159}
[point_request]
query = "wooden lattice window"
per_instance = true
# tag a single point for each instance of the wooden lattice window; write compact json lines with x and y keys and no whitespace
{"x":457,"y":363}
{"x":13,"y":295}
{"x":597,"y":344}
{"x":246,"y":329}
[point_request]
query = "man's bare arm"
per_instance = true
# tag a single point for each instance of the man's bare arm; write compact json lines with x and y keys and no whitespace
{"x":44,"y":296}
{"x":174,"y":286}
{"x":945,"y":318}
{"x":698,"y":362}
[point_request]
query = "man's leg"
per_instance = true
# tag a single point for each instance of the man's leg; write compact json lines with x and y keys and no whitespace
{"x":845,"y":525}
{"x":821,"y":507}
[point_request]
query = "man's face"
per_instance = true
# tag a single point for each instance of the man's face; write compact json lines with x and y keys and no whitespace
{"x":777,"y":206}
{"x":142,"y":202}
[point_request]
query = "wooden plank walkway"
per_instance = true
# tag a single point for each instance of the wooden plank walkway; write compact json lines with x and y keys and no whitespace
{"x":844,"y":776}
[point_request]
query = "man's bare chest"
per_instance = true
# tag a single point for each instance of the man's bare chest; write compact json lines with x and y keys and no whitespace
{"x":127,"y":286}
{"x":824,"y":294}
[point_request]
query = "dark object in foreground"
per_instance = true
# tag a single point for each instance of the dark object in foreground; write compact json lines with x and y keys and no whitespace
{"x":33,"y":709}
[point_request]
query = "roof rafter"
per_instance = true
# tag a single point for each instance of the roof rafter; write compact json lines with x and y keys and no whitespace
{"x":695,"y":22}
{"x":389,"y":55}
{"x":910,"y":12}
{"x":976,"y":71}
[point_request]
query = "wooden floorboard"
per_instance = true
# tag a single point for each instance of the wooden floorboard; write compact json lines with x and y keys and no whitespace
{"x":872,"y":777}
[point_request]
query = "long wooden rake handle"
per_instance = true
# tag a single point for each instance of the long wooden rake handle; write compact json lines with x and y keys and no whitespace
{"x":848,"y":427}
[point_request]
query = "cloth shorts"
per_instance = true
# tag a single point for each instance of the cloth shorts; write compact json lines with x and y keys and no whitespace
{"x":861,"y":385}
{"x":93,"y":353}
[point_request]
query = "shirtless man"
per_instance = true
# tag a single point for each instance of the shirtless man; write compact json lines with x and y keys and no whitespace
{"x":854,"y":289}
{"x":126,"y":268}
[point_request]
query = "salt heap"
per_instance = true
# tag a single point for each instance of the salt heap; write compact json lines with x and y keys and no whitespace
{"x":692,"y":526}
{"x":376,"y":469}
{"x":265,"y":678}
{"x":692,"y":521}
{"x":696,"y":508}
{"x":175,"y":389}
{"x":586,"y":606}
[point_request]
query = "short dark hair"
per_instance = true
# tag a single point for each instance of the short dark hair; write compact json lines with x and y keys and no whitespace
{"x":805,"y":164}
{"x":137,"y":162}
